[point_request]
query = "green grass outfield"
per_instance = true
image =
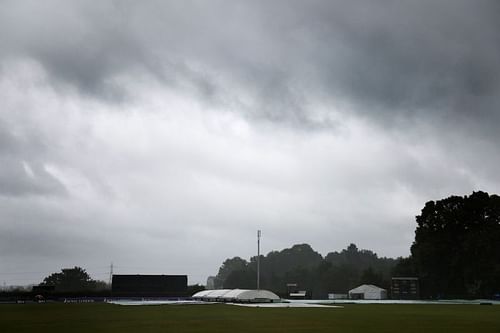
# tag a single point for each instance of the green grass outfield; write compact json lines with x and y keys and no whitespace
{"x":99,"y":317}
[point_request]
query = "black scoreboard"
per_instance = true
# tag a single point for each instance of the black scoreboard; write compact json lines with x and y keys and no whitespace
{"x":405,"y":288}
{"x":149,"y":285}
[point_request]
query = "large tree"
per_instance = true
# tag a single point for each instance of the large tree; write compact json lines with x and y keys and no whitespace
{"x":229,"y":266}
{"x":72,"y":279}
{"x":456,"y":251}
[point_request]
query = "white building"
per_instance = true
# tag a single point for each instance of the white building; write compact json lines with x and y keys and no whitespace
{"x":368,"y":291}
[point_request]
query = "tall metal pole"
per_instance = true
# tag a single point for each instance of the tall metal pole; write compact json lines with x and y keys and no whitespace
{"x":111,"y":279}
{"x":110,"y":274}
{"x":258,"y":259}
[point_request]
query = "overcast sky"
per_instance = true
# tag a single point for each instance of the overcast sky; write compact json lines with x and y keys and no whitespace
{"x":160,"y":135}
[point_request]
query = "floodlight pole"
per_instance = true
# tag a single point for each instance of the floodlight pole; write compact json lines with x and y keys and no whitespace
{"x":111,"y":279}
{"x":258,"y":259}
{"x":110,"y":274}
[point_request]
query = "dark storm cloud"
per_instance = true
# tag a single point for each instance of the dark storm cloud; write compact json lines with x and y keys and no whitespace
{"x":392,"y":59}
{"x":413,"y":54}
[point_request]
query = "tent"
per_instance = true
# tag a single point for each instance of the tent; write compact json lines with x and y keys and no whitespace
{"x":237,"y":295}
{"x":368,"y":291}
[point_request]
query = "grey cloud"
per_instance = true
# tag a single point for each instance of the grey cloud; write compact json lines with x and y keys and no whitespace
{"x":391,"y":58}
{"x":18,"y":179}
{"x":22,"y":172}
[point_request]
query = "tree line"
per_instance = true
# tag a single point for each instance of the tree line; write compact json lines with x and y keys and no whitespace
{"x":456,"y":253}
{"x":337,"y":272}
